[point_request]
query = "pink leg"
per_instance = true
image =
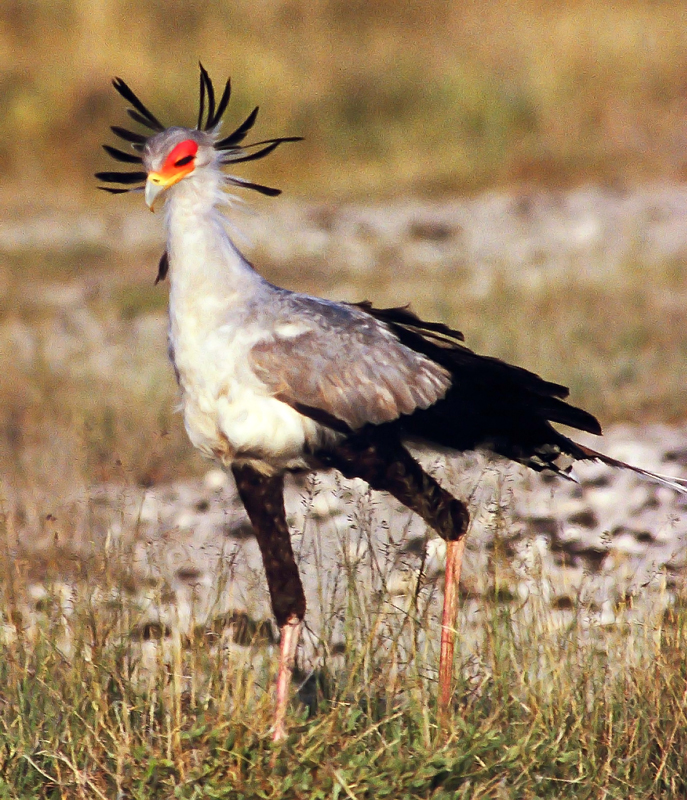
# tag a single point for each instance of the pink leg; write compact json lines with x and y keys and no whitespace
{"x":290,"y":634}
{"x":454,"y":560}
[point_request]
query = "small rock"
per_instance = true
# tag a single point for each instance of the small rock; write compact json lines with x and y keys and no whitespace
{"x":216,"y":480}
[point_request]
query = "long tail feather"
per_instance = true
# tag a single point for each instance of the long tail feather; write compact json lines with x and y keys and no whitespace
{"x":677,"y":484}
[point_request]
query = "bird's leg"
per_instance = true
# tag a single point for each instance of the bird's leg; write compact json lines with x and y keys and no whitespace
{"x":290,"y":634}
{"x":386,"y":465}
{"x":263,"y":498}
{"x":454,"y":562}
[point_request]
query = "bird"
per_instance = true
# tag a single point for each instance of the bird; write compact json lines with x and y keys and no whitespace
{"x":274,"y":381}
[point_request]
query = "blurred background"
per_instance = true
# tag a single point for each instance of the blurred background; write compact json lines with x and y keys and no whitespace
{"x":430,"y":97}
{"x":514,"y":168}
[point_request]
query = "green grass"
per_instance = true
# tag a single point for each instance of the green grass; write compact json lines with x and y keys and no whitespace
{"x":545,"y":706}
{"x":539,"y":712}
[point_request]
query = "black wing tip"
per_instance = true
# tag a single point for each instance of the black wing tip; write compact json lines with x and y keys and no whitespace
{"x":585,"y":421}
{"x":407,"y":318}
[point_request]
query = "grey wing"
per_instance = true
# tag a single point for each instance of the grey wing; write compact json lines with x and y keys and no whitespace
{"x":339,"y":364}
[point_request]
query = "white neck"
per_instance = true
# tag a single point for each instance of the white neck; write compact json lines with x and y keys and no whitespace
{"x":206,"y":269}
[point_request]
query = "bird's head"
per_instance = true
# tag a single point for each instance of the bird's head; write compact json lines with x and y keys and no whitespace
{"x":169,"y":155}
{"x":173,"y":155}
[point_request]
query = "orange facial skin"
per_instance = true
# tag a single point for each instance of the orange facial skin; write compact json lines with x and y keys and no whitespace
{"x":178,"y":164}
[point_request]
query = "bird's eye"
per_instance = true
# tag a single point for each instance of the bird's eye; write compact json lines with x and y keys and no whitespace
{"x":181,"y":156}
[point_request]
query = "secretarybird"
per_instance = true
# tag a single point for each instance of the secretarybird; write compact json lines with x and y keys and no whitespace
{"x":274,"y":381}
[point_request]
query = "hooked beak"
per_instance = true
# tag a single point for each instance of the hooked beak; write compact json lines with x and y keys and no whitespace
{"x":155,"y":185}
{"x":157,"y":182}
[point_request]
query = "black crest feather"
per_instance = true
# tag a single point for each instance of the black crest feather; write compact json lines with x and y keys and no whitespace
{"x":239,"y":154}
{"x":221,"y":107}
{"x":210,"y":113}
{"x":120,"y":155}
{"x":143,"y":116}
{"x":128,"y":136}
{"x":121,"y":177}
{"x":206,"y":85}
{"x":240,"y":133}
{"x":258,"y":187}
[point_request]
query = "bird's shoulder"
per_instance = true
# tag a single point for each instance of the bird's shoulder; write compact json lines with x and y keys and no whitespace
{"x":340,"y":360}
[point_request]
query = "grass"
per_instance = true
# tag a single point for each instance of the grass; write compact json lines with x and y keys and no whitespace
{"x":542,"y":710}
{"x":95,"y":703}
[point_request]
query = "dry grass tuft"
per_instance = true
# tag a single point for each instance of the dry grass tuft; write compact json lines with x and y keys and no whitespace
{"x":547,"y":705}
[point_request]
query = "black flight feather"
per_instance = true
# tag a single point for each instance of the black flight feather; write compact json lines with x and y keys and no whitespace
{"x":240,"y":133}
{"x":151,"y":120}
{"x":120,"y":155}
{"x":484,"y":389}
{"x":402,"y":315}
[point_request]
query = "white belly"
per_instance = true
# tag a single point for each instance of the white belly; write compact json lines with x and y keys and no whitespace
{"x":240,"y":425}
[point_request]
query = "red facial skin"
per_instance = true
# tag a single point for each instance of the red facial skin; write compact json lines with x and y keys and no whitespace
{"x":178,"y":164}
{"x":185,"y":152}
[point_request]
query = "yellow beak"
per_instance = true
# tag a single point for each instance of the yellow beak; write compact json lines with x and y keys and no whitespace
{"x":155,"y":185}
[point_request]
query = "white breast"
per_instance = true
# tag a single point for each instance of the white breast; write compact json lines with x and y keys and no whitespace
{"x":228,"y":412}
